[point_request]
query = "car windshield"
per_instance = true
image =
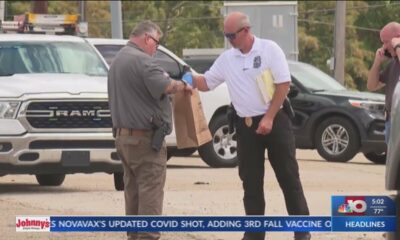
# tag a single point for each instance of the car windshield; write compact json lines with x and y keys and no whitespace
{"x":49,"y":57}
{"x":313,"y":78}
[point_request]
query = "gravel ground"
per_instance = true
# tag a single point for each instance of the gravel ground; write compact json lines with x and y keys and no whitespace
{"x":192,"y":188}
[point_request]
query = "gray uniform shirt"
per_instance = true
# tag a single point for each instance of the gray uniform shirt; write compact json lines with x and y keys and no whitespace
{"x":136,"y":85}
{"x":390,"y":76}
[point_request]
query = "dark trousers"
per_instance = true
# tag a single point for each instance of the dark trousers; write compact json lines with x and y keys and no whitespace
{"x":280,"y":144}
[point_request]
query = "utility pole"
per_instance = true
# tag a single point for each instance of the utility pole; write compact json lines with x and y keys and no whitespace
{"x":83,"y":27}
{"x":39,"y":6}
{"x":82,"y":11}
{"x":2,"y":10}
{"x":340,"y":40}
{"x":116,"y":19}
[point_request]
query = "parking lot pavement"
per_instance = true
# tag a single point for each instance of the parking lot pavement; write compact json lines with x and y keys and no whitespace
{"x":192,"y":188}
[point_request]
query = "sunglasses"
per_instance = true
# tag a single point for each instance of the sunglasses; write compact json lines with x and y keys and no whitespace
{"x":155,"y":40}
{"x":232,"y":36}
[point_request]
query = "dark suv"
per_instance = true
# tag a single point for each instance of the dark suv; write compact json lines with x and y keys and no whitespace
{"x":337,"y":122}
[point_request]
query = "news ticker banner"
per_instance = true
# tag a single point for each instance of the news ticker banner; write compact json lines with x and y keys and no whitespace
{"x":174,"y":223}
{"x":349,"y":214}
{"x":202,"y":224}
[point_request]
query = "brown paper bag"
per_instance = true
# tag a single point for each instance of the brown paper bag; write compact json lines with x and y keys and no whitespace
{"x":191,"y":126}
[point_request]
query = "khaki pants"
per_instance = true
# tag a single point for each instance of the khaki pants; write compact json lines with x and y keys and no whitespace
{"x":144,"y":178}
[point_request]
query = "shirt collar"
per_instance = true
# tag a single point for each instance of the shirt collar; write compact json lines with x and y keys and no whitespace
{"x":131,"y":44}
{"x":254,"y":48}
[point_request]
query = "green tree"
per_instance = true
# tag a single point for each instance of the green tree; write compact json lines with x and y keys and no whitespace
{"x":356,"y":56}
{"x":316,"y":29}
{"x":185,"y":24}
{"x":379,"y":13}
{"x":315,"y":26}
{"x":98,"y":13}
{"x":198,"y":24}
{"x":16,"y":8}
{"x":98,"y":17}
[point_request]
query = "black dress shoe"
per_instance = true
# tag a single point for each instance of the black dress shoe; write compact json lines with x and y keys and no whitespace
{"x":302,"y":236}
{"x":254,"y":236}
{"x":249,"y":238}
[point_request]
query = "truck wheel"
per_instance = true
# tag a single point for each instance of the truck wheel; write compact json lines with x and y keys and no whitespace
{"x":337,"y":140}
{"x":222,"y":150}
{"x":50,"y":179}
{"x":119,"y":181}
{"x":378,"y":158}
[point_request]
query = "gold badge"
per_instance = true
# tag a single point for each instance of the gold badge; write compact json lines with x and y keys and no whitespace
{"x":248,"y":121}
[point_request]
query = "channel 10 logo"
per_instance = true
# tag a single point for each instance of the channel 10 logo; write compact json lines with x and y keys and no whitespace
{"x":353,"y":206}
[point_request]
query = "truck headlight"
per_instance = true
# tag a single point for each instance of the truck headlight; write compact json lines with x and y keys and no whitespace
{"x":8,"y":109}
{"x":373,"y":108}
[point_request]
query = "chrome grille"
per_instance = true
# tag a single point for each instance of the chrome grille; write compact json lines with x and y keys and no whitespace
{"x":69,"y":114}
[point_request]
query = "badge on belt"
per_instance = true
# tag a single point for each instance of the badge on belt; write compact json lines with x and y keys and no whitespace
{"x":248,"y":121}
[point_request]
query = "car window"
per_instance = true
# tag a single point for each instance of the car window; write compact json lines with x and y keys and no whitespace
{"x":49,"y":57}
{"x":108,"y":51}
{"x":200,"y":65}
{"x":170,"y":65}
{"x":313,"y":78}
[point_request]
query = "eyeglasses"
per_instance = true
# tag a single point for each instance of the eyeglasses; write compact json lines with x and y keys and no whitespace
{"x":155,"y":40}
{"x":232,"y":36}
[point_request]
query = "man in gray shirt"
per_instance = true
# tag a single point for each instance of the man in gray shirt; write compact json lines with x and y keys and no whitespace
{"x":138,"y":91}
{"x":389,"y":77}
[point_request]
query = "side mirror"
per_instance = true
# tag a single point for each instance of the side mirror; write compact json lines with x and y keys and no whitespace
{"x":293,"y":92}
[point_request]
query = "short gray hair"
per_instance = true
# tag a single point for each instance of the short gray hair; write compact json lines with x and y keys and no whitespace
{"x":146,"y":26}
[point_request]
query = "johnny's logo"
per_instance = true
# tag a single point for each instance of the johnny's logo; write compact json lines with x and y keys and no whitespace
{"x":257,"y":62}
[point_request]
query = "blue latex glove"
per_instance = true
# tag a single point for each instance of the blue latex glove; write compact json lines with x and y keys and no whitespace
{"x":188,"y":78}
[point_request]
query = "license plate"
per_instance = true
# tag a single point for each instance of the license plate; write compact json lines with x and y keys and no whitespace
{"x":75,"y":158}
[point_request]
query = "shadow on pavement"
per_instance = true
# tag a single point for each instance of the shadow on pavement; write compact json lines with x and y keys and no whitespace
{"x":187,"y":166}
{"x":349,"y":162}
{"x":27,"y":188}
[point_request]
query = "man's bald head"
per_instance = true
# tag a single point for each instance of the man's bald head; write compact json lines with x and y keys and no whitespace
{"x":235,"y":21}
{"x":237,"y":31}
{"x":389,"y":31}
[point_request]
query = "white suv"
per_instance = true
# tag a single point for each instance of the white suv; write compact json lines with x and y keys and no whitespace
{"x":221,"y":151}
{"x":54,"y":116}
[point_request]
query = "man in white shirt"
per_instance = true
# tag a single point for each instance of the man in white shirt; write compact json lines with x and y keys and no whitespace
{"x":259,"y":124}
